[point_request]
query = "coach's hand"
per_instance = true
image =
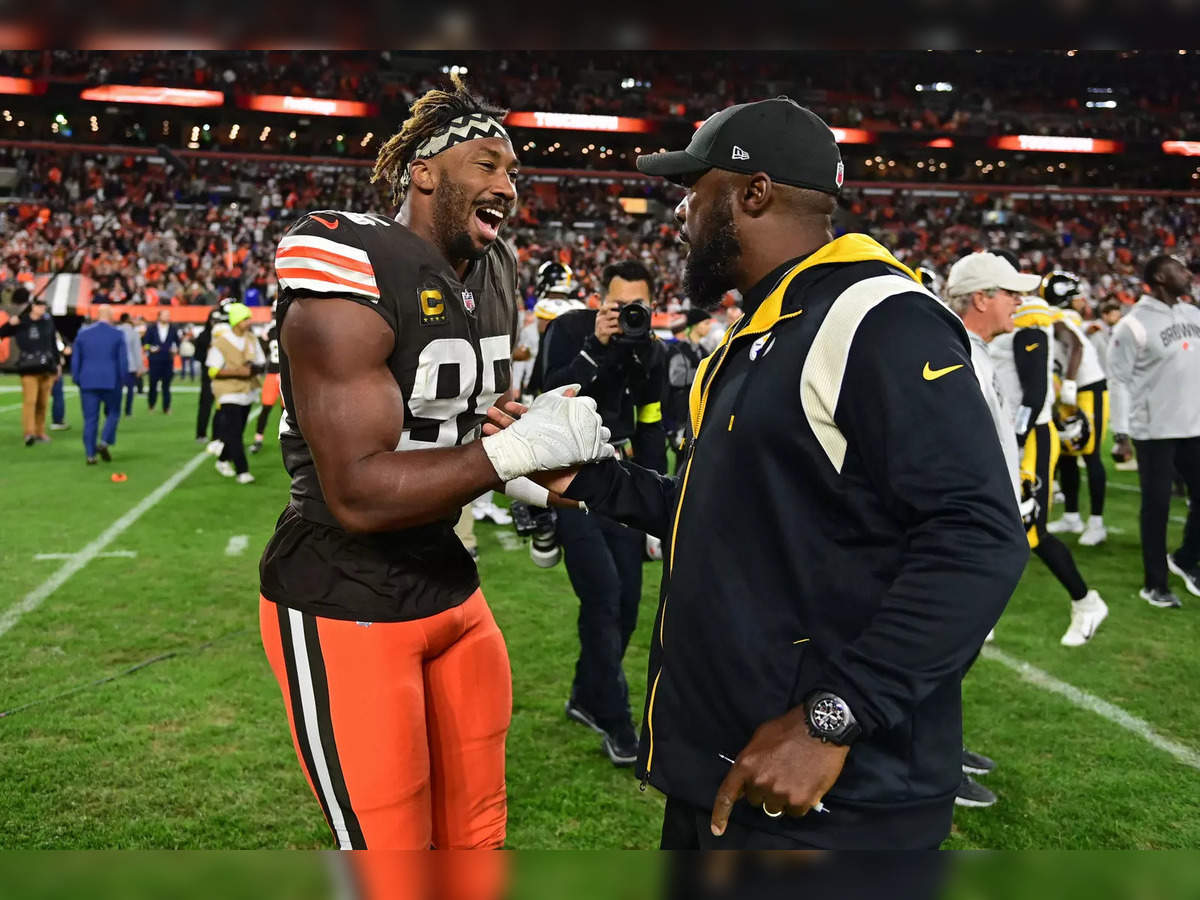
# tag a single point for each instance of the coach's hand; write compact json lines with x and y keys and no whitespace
{"x":783,"y":768}
{"x":1122,"y":450}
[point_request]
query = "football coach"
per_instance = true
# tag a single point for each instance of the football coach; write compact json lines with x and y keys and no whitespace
{"x":843,"y":535}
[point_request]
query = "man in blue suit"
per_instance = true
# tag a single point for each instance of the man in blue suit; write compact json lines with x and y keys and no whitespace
{"x":100,"y":365}
{"x":161,"y":341}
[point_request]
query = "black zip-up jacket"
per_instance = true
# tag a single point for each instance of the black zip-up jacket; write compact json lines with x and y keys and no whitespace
{"x":845,"y":522}
{"x":625,"y":380}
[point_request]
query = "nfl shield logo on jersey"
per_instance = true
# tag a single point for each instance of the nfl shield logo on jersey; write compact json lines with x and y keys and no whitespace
{"x":469,"y":302}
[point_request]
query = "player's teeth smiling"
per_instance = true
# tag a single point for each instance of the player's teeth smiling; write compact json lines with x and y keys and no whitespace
{"x":490,"y":216}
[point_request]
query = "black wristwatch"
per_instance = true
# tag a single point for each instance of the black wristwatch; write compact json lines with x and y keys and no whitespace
{"x":830,"y":719}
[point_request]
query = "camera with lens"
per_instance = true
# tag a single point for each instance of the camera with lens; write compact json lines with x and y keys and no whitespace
{"x":634,"y":319}
{"x":539,"y":525}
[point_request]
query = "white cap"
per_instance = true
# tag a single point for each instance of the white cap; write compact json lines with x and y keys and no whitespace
{"x":988,"y":272}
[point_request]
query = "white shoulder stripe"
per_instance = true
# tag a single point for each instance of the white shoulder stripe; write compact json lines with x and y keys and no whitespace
{"x":320,"y":243}
{"x":306,"y":263}
{"x":825,"y":366}
{"x":327,"y":287}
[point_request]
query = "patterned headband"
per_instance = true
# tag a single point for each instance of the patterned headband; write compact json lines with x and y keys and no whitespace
{"x":456,"y":131}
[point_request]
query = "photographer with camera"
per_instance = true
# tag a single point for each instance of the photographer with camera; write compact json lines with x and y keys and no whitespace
{"x":236,"y":364}
{"x":38,"y":363}
{"x":614,"y":355}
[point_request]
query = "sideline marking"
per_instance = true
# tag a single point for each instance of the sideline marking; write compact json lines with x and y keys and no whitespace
{"x":1135,"y":490}
{"x":77,"y":561}
{"x":124,"y":554}
{"x":1091,"y":702}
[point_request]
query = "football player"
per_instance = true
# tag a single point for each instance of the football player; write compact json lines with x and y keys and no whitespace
{"x":395,"y":339}
{"x":1083,"y":410}
{"x":1024,"y":366}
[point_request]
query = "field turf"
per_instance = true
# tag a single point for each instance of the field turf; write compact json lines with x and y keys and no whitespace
{"x":137,"y":709}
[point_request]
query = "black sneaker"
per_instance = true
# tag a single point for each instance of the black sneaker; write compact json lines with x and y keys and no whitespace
{"x":1191,"y":577}
{"x":256,"y":446}
{"x":91,"y":460}
{"x":1161,"y":599}
{"x":976,"y":763}
{"x":577,"y":713}
{"x":621,"y":746}
{"x":102,"y":449}
{"x":30,"y":440}
{"x":972,"y":793}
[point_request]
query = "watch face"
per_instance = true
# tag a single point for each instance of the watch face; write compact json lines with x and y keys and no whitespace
{"x":828,"y":715}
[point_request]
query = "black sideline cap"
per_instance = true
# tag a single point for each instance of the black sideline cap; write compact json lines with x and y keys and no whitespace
{"x":793,"y":145}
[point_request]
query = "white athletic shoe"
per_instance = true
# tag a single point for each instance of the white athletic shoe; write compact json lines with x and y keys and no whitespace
{"x":1086,"y":616}
{"x":1094,"y":534}
{"x":1070,"y":523}
{"x":245,"y":478}
{"x":490,"y":510}
{"x":991,"y":636}
{"x":225,"y":468}
{"x":215,"y":447}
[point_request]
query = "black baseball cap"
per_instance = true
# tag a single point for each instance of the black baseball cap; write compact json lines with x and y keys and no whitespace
{"x":792,"y":144}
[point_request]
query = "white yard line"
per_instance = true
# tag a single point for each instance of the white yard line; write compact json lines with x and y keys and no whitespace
{"x":121,"y":554}
{"x":77,"y":561}
{"x":1092,"y":703}
{"x":1136,"y":490}
{"x":237,"y":545}
{"x":10,"y":408}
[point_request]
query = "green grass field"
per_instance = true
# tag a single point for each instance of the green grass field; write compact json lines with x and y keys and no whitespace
{"x":193,"y":751}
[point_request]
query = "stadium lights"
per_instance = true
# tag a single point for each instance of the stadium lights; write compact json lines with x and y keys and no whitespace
{"x":1072,"y":52}
{"x":233,"y":132}
{"x":870,"y":162}
{"x":1102,"y":104}
{"x":166,"y":127}
{"x":21,"y":124}
{"x":94,"y":124}
{"x":291,"y":135}
{"x":264,"y":133}
{"x":367,"y":138}
{"x":940,"y":87}
{"x":454,"y":70}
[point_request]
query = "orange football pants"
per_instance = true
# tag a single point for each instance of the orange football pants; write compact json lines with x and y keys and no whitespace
{"x":399,"y":727}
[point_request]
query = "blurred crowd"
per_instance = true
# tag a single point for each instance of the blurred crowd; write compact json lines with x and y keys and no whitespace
{"x":1155,"y":93}
{"x":147,"y":233}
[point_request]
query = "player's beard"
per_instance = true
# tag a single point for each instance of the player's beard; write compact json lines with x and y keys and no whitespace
{"x":452,"y":209}
{"x":712,"y":259}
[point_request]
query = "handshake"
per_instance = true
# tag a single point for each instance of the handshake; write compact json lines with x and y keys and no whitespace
{"x":558,"y":431}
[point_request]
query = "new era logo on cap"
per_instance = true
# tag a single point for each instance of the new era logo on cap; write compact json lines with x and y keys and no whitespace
{"x":841,"y":174}
{"x":739,"y":153}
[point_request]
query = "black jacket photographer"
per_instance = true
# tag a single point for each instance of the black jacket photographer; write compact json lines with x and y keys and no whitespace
{"x":33,"y":331}
{"x":614,"y":355}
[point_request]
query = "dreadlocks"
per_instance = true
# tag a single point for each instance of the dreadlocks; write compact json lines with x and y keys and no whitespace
{"x":429,"y":114}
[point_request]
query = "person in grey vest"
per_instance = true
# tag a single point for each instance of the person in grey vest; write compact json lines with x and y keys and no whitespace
{"x":1154,"y":373}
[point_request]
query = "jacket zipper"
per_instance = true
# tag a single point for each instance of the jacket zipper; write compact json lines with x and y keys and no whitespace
{"x":710,"y":376}
{"x":662,"y":622}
